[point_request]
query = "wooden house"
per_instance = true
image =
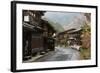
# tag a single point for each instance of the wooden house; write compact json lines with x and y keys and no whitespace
{"x":68,"y":37}
{"x":36,"y":34}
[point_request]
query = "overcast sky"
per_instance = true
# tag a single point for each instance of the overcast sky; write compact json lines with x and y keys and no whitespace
{"x":66,"y":19}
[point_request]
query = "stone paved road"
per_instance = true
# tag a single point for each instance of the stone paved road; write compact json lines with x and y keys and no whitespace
{"x":61,"y":54}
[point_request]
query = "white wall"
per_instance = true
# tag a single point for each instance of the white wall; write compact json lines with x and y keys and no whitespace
{"x":5,"y":36}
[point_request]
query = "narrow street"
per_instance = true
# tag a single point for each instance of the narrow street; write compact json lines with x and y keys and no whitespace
{"x":60,"y":54}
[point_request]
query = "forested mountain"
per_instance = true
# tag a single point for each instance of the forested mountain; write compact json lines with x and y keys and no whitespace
{"x":56,"y":25}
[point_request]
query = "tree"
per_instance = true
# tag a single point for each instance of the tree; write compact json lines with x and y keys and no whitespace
{"x":86,"y":36}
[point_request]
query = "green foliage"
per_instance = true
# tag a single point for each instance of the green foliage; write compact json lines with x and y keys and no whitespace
{"x":86,"y":28}
{"x":85,"y":53}
{"x":85,"y":50}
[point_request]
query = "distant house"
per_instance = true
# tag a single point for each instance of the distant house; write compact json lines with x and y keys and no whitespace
{"x":74,"y":37}
{"x":69,"y":37}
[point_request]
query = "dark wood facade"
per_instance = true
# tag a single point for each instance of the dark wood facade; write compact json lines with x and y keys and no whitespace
{"x":37,"y":34}
{"x":48,"y":35}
